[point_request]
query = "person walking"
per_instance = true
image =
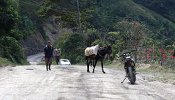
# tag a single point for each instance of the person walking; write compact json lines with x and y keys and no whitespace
{"x":57,"y":53}
{"x":48,"y":53}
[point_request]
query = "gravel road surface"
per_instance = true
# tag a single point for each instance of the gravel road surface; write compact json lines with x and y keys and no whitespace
{"x":33,"y":82}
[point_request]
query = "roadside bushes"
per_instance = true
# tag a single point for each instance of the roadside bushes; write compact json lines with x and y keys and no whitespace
{"x":170,"y":63}
{"x":4,"y":62}
{"x":72,"y":47}
{"x":11,"y":49}
{"x":12,"y":30}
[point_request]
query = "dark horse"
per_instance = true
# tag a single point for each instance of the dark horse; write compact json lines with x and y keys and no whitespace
{"x":92,"y":59}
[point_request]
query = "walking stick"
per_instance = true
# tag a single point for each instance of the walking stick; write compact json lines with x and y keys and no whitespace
{"x":123,"y":80}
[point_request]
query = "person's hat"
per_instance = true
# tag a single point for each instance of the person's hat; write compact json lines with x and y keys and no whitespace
{"x":48,"y":42}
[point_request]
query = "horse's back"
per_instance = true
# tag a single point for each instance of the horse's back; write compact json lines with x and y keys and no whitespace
{"x":91,"y":50}
{"x":88,"y":51}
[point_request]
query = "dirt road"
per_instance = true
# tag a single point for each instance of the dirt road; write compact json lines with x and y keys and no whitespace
{"x":33,"y":82}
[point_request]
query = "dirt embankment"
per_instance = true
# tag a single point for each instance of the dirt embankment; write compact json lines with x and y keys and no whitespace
{"x":35,"y":43}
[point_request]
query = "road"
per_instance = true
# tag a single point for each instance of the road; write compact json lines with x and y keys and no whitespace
{"x":33,"y":82}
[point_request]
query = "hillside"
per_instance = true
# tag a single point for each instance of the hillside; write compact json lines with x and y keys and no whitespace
{"x":103,"y":15}
{"x":110,"y":12}
{"x":156,"y":15}
{"x":43,"y":29}
{"x":40,"y":20}
{"x":125,"y":24}
{"x":165,"y":8}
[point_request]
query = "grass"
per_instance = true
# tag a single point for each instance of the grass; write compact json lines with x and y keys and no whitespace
{"x":5,"y":62}
{"x":158,"y":73}
{"x":151,"y":72}
{"x":116,"y":65}
{"x":156,"y":68}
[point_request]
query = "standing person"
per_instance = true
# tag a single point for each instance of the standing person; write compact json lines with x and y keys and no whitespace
{"x":57,"y":53}
{"x":48,"y":52}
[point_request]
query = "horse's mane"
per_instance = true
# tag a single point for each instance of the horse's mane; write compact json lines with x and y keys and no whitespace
{"x":104,"y":48}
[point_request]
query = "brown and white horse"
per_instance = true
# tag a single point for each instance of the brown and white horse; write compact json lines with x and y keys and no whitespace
{"x":92,"y":59}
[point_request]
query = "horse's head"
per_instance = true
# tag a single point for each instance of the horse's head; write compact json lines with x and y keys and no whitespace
{"x":108,"y":49}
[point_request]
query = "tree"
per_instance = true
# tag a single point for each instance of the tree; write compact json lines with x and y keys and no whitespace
{"x":9,"y":32}
{"x":92,"y":35}
{"x":72,"y":47}
{"x":8,"y":16}
{"x":132,"y":33}
{"x":11,"y":49}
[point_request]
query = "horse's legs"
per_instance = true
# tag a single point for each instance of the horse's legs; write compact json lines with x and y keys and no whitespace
{"x":102,"y":66}
{"x":87,"y":61}
{"x":90,"y":62}
{"x":94,"y":65}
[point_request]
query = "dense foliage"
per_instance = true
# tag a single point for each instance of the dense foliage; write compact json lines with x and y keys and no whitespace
{"x":9,"y":31}
{"x":164,"y":20}
{"x":124,"y":24}
{"x":18,"y":19}
{"x":103,"y":15}
{"x":165,"y":8}
{"x":72,"y":47}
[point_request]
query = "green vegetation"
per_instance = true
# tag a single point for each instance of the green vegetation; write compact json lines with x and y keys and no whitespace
{"x":154,"y":72}
{"x":123,"y":24}
{"x":30,"y":21}
{"x":15,"y":24}
{"x":163,"y":7}
{"x":9,"y":31}
{"x":4,"y":62}
{"x":72,"y":47}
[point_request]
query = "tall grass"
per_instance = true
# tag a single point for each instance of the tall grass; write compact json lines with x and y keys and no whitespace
{"x":5,"y":62}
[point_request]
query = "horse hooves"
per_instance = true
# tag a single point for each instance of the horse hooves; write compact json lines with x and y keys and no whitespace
{"x":88,"y":71}
{"x":93,"y":72}
{"x":104,"y":72}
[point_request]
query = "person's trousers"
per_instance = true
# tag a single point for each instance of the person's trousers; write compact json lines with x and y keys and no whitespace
{"x":57,"y":59}
{"x":48,"y":62}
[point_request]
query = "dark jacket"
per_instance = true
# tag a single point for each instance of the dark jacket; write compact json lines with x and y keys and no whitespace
{"x":48,"y":51}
